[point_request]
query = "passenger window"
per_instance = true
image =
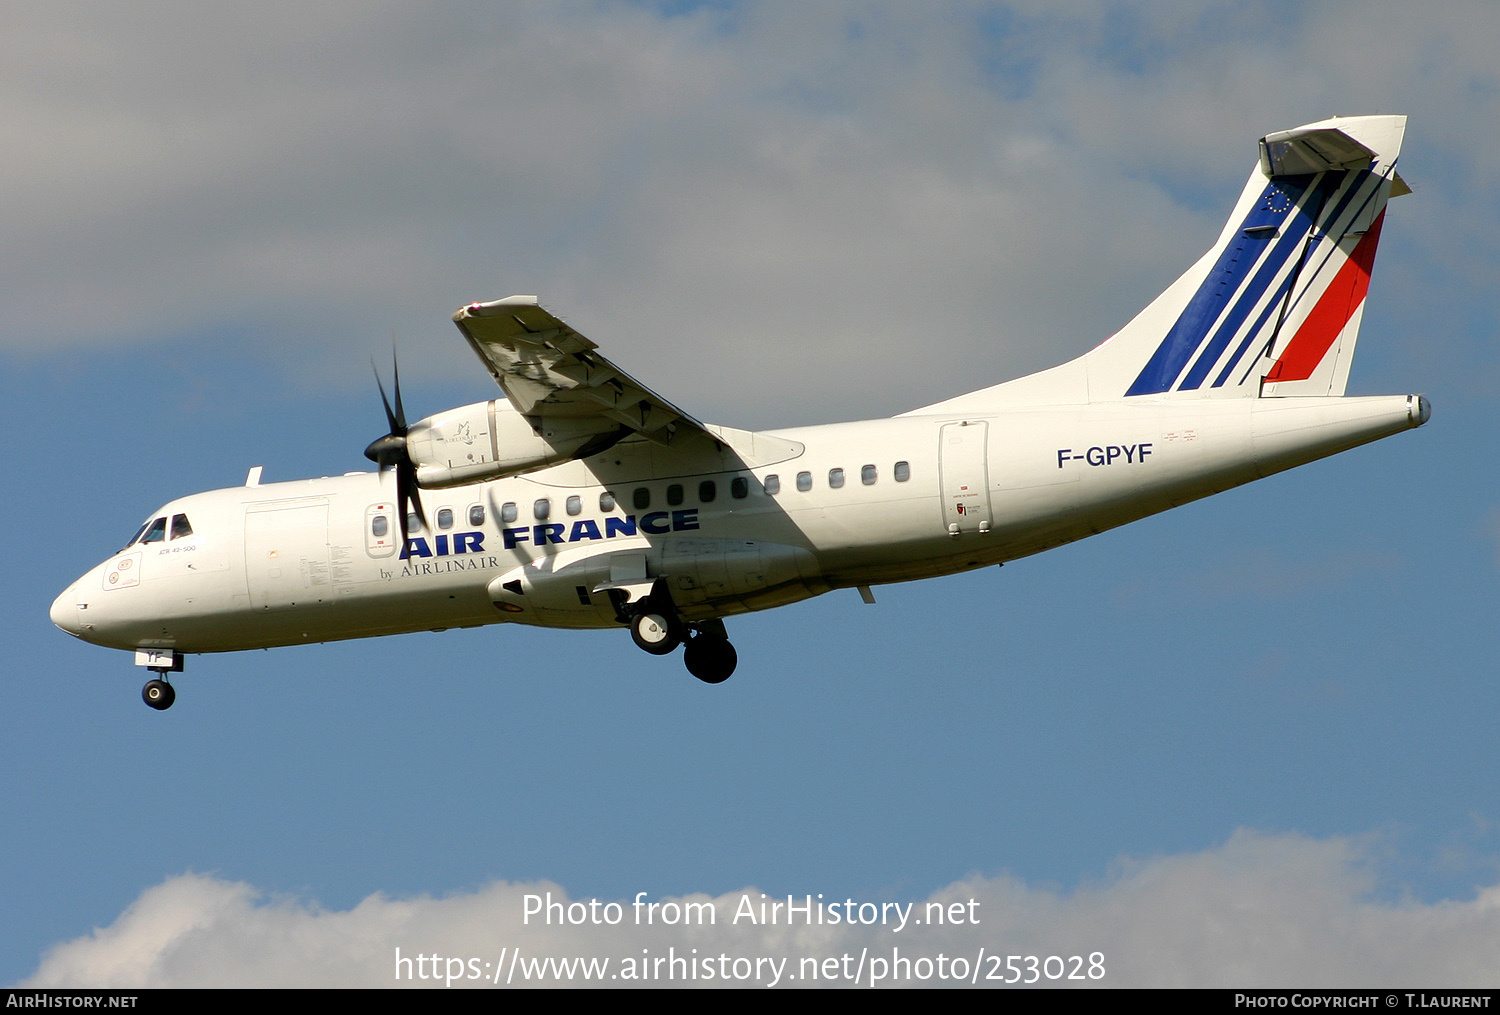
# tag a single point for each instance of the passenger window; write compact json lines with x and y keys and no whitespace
{"x":707,"y":491}
{"x":508,"y":511}
{"x":413,"y":523}
{"x":606,"y":501}
{"x":575,"y":505}
{"x":380,"y":519}
{"x":836,"y":478}
{"x":902,"y":471}
{"x":541,"y":509}
{"x":868,"y":475}
{"x":180,"y":527}
{"x":157,"y":531}
{"x":773,"y":484}
{"x":739,"y":488}
{"x":641,"y":498}
{"x":476,"y":514}
{"x":674,"y":494}
{"x":804,"y":481}
{"x":445,"y":518}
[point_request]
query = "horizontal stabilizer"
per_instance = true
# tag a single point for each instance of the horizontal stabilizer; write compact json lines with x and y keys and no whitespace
{"x":1311,"y":150}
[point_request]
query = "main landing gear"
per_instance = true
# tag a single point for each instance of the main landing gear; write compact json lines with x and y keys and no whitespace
{"x":158,"y":693}
{"x":709,"y":656}
{"x":656,"y":631}
{"x":656,"y":628}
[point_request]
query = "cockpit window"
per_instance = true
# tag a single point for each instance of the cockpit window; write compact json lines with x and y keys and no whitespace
{"x":138,"y":534}
{"x":181,"y":526}
{"x":156,"y":531}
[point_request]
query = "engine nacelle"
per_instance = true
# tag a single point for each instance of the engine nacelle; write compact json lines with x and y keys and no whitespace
{"x":489,"y":440}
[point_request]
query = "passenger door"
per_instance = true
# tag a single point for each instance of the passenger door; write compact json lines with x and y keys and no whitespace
{"x":963,"y":464}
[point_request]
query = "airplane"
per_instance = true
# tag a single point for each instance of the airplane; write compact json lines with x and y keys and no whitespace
{"x":583,"y":499}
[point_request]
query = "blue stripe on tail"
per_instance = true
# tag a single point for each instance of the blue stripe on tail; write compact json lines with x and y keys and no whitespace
{"x":1353,"y":187}
{"x":1291,"y":241}
{"x":1224,"y":280}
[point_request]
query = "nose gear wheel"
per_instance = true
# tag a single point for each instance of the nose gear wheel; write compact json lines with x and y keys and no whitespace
{"x":158,"y":694}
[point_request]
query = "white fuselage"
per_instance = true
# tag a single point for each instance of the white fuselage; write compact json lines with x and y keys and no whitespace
{"x":921,"y":496}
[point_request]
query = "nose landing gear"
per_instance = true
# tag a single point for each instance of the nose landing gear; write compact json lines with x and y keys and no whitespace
{"x":158,"y":693}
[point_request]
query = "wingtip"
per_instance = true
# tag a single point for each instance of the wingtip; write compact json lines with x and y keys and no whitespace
{"x":485,"y":309}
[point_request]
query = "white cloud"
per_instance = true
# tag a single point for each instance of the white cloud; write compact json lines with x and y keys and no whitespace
{"x":844,"y":209}
{"x":1261,"y":910}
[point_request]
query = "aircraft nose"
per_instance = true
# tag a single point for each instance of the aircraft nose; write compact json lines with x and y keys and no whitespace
{"x":65,"y":612}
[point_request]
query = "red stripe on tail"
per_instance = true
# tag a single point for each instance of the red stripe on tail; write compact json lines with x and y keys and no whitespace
{"x":1332,"y":312}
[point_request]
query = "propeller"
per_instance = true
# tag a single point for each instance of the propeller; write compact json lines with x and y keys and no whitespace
{"x":390,"y":452}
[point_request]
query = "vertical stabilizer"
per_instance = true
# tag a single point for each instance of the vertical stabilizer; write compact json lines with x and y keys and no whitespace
{"x":1274,"y":307}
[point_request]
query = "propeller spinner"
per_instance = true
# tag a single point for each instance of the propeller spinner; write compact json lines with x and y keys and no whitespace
{"x":389,"y":452}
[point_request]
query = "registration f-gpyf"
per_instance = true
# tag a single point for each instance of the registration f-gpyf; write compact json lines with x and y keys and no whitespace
{"x":585,"y":500}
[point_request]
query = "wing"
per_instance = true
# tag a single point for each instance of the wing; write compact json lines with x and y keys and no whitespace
{"x":551,"y":373}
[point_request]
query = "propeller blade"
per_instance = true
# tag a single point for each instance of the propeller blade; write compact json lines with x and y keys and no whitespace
{"x":390,"y":417}
{"x":390,"y":452}
{"x":400,"y":412}
{"x":407,"y":492}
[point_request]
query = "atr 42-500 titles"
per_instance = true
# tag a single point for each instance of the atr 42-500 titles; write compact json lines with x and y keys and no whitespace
{"x":585,"y":500}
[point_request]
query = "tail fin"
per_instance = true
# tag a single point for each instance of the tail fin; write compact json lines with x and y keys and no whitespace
{"x":1279,"y":298}
{"x":1274,"y":307}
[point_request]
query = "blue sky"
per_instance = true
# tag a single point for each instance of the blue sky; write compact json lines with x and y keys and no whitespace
{"x":773,"y":219}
